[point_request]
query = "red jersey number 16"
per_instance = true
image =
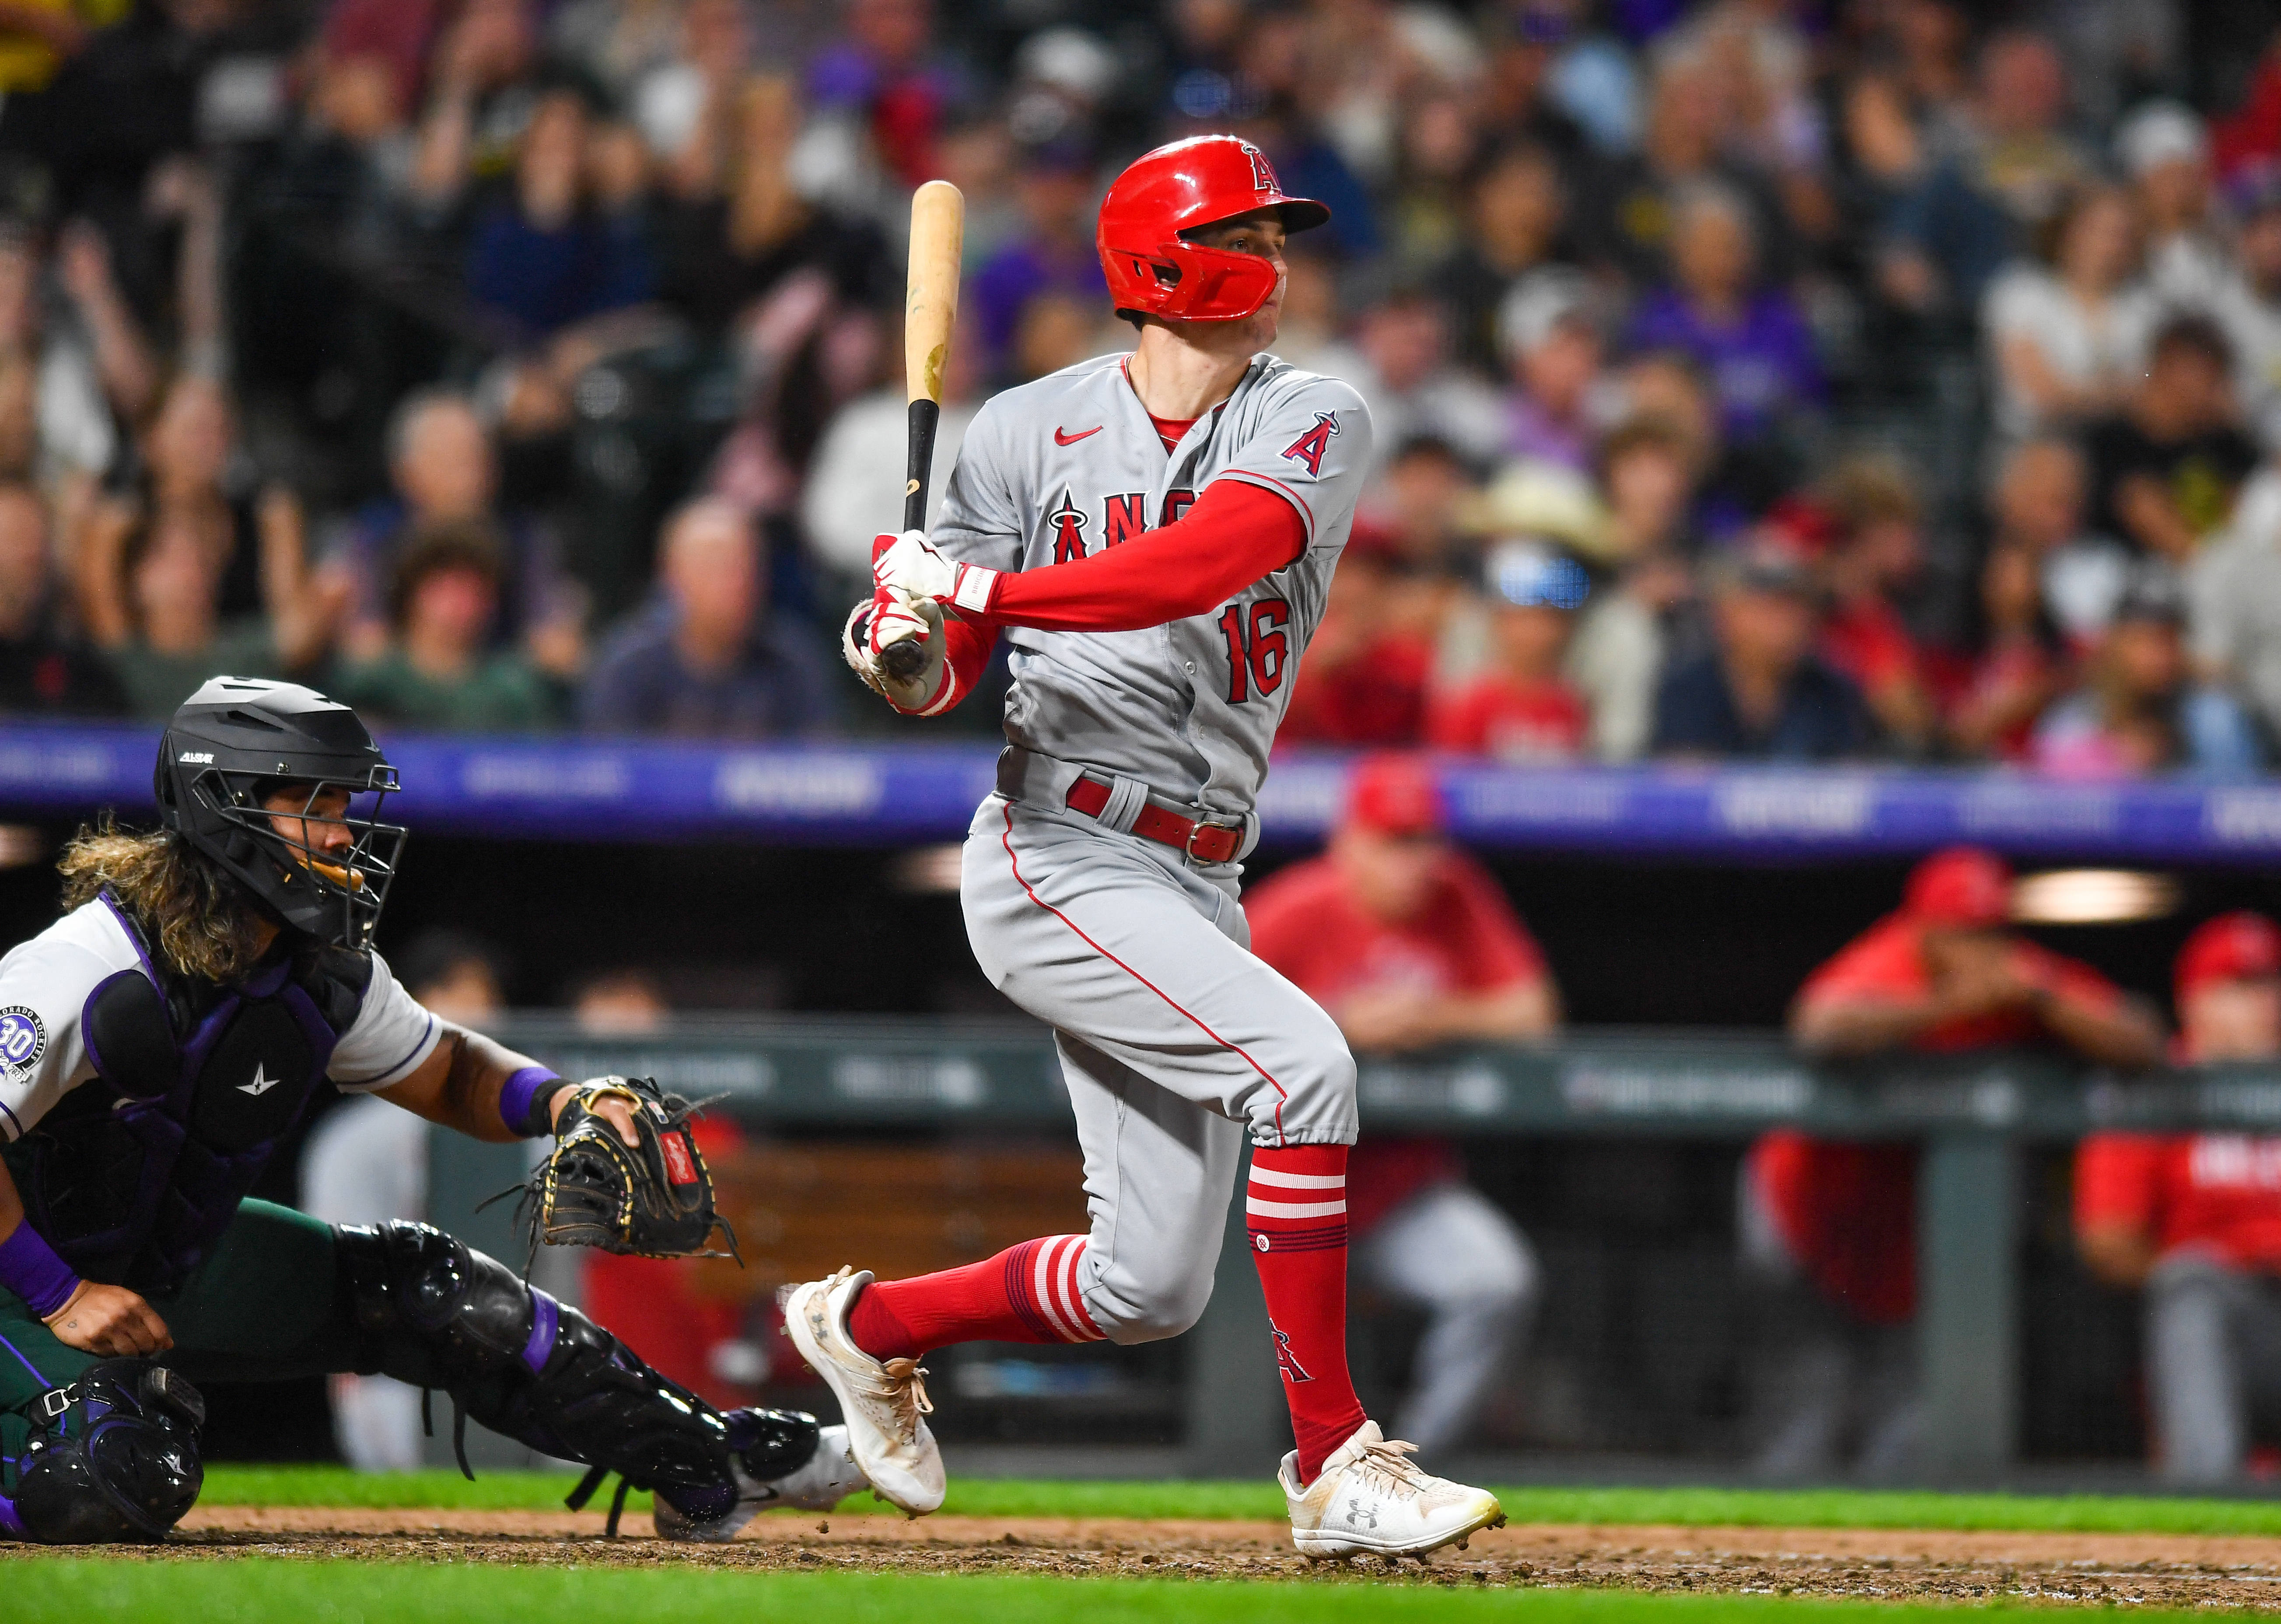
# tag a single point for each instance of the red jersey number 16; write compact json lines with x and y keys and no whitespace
{"x":1256,"y":652}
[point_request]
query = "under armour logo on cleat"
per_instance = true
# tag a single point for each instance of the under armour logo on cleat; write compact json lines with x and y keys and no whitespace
{"x":1357,"y":1513}
{"x":261,"y":1083}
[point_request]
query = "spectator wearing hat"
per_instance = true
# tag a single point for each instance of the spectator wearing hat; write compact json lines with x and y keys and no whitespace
{"x":1830,"y":1225}
{"x":2163,"y":148}
{"x":2167,"y":468}
{"x":707,"y":660}
{"x":1411,"y":945}
{"x":1520,"y":709}
{"x":2193,"y":1220}
{"x":2139,"y":709}
{"x":1552,"y":350}
{"x":442,"y":670}
{"x":1760,"y":691}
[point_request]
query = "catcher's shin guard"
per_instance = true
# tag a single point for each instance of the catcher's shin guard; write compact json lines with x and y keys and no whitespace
{"x":440,"y":1314}
{"x":112,"y":1458}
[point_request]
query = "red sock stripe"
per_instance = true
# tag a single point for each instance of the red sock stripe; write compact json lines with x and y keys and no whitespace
{"x":1021,"y":1263}
{"x":1298,"y":1240}
{"x":1047,"y":1292}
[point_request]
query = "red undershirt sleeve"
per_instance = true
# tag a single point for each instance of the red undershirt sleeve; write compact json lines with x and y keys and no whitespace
{"x":1234,"y":535}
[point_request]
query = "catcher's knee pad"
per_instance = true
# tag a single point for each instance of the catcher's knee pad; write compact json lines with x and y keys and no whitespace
{"x":525,"y":1365}
{"x":112,"y":1458}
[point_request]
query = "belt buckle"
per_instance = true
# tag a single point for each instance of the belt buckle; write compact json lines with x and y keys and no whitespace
{"x":1195,"y":828}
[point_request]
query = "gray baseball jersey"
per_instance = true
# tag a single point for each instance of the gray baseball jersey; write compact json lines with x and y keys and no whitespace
{"x":1060,"y":469}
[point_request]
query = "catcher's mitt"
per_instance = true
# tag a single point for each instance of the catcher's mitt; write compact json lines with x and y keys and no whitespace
{"x":596,"y":1190}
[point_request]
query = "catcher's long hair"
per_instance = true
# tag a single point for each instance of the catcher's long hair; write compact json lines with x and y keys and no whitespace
{"x":192,"y":915}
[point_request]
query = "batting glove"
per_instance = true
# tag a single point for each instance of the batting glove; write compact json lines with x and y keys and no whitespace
{"x":885,"y":618}
{"x":909,"y":564}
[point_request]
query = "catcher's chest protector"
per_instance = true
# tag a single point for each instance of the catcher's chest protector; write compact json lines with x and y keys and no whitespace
{"x":135,"y":1174}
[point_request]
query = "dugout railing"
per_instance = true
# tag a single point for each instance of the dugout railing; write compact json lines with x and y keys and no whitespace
{"x":1972,"y":1115}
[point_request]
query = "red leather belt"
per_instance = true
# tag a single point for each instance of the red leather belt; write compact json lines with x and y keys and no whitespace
{"x":1208,"y":842}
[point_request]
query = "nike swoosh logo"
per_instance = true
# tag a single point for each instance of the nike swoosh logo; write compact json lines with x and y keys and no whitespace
{"x":1063,"y":438}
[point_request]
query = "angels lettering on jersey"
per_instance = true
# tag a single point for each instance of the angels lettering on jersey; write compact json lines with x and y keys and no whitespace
{"x":1189,"y":708}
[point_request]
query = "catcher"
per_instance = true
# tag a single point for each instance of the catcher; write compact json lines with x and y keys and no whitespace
{"x":159,"y":1041}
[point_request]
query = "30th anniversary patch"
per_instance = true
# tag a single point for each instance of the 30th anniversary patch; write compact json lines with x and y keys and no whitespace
{"x":23,"y":1040}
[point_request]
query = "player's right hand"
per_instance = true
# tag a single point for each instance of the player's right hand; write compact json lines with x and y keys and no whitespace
{"x":887,"y":618}
{"x":110,"y":1320}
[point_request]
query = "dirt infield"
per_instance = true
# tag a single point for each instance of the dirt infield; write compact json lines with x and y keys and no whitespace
{"x":2148,"y":1569}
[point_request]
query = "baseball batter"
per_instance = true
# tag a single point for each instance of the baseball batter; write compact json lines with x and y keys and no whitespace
{"x":1155,"y":535}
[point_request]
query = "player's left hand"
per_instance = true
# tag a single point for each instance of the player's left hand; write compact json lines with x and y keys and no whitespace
{"x":625,"y":1174}
{"x":909,"y":564}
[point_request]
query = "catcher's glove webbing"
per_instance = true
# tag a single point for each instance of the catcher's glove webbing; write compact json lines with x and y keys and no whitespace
{"x":654,"y":1201}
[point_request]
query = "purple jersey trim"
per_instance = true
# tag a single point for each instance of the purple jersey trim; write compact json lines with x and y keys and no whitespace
{"x":417,"y":1044}
{"x":26,"y":1364}
{"x":133,"y":939}
{"x":16,"y":1122}
{"x":544,"y":1318}
{"x":519,"y":1101}
{"x":30,"y":1268}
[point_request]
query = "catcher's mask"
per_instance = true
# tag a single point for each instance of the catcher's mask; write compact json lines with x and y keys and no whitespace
{"x":282,"y":788}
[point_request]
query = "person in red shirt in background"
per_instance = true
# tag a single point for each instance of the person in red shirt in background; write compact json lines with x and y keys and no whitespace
{"x":1362,"y":682}
{"x":659,"y":1304}
{"x":1876,"y":553}
{"x":1520,"y":709}
{"x":1831,"y":1227}
{"x":1410,"y":944}
{"x":2195,"y":1220}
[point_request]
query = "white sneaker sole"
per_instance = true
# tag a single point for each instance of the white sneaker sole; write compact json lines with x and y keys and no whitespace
{"x":795,"y":1317}
{"x":1319,"y":1546}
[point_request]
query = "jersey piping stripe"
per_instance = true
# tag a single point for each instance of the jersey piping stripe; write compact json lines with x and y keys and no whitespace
{"x":16,"y":1123}
{"x":1298,"y":1181}
{"x":1292,"y":1209}
{"x":1015,"y":864}
{"x":374,"y":1080}
{"x":1253,"y":476}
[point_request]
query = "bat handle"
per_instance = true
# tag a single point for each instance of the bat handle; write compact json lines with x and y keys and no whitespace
{"x":904,"y":659}
{"x":925,"y":417}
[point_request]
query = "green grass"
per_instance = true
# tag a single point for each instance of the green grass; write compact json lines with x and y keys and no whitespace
{"x":1017,"y":1497}
{"x":258,"y":1590}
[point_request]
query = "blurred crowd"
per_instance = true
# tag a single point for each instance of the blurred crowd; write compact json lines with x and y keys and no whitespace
{"x":1797,"y":379}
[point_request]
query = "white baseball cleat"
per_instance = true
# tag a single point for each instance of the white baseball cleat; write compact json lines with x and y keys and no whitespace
{"x":885,"y":1403}
{"x":1370,"y":1500}
{"x":828,"y":1476}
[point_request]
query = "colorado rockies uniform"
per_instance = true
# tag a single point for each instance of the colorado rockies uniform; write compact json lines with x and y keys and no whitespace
{"x":1174,"y":1040}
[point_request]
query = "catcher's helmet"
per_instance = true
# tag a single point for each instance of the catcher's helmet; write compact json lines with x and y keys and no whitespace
{"x":1153,"y":271}
{"x":238,"y":742}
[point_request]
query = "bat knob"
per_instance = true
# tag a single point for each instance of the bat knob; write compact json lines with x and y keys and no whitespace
{"x":903,"y":660}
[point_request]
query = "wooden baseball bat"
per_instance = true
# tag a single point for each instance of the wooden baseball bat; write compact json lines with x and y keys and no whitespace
{"x":930,"y":307}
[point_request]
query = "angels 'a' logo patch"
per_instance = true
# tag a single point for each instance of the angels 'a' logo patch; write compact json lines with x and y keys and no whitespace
{"x":1308,"y":447}
{"x":23,"y":1040}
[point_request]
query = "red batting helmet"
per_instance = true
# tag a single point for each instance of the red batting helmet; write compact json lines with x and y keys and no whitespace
{"x":1153,"y":271}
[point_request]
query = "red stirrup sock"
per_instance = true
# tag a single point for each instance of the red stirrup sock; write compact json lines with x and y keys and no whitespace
{"x":1026,"y":1294}
{"x":1296,"y":1212}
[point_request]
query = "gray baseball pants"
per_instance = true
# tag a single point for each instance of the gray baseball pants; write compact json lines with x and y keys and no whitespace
{"x":1174,"y":1041}
{"x":2212,"y":1365}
